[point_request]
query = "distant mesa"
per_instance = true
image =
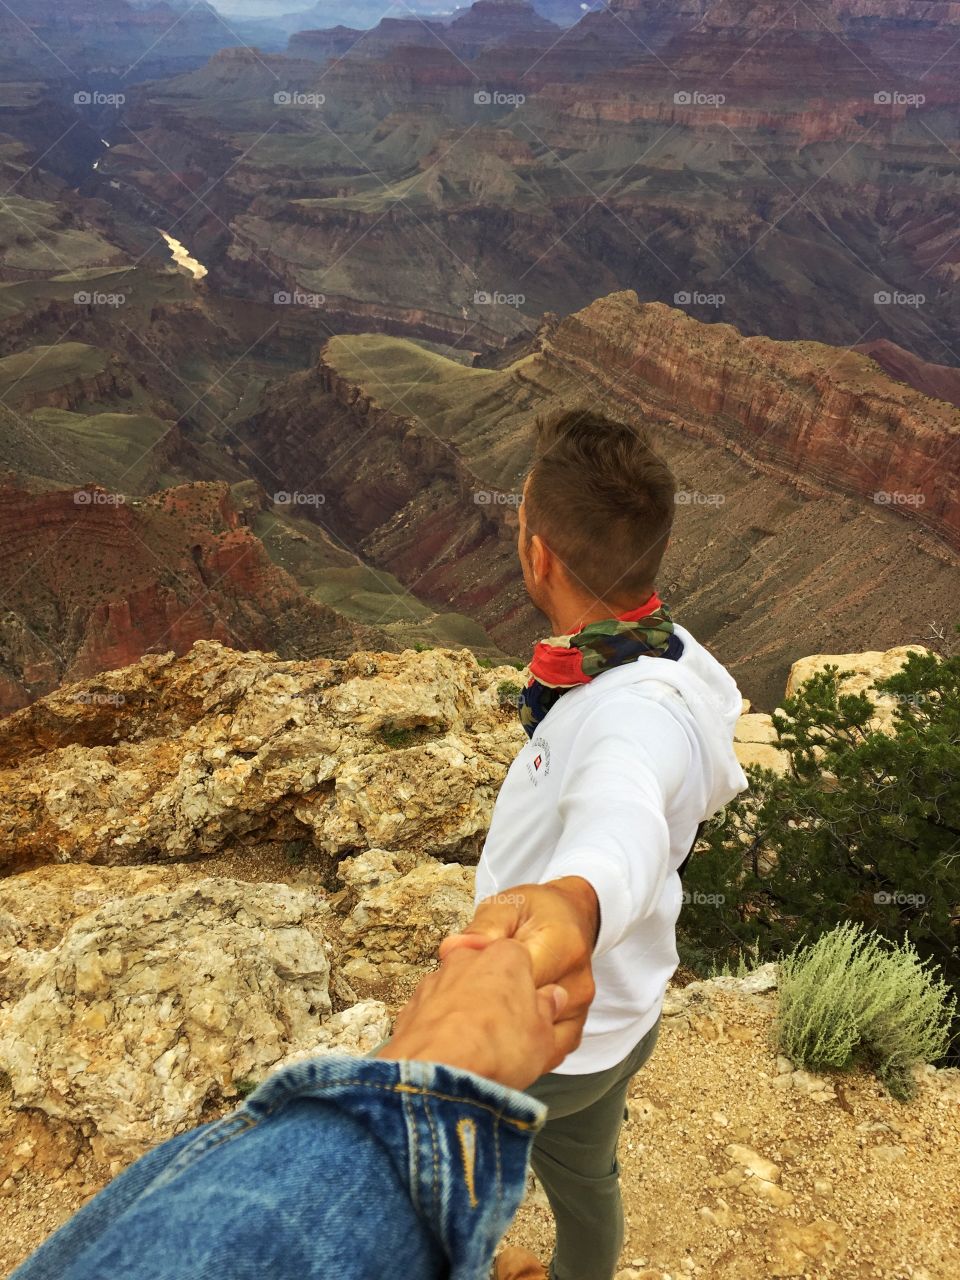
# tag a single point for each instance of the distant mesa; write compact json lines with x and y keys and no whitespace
{"x":653,"y":146}
{"x":487,"y":24}
{"x":687,"y":211}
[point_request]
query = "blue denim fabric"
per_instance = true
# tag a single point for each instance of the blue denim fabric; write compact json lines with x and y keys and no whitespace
{"x":348,"y":1168}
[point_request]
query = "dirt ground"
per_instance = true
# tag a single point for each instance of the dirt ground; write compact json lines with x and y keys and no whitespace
{"x":874,"y":1183}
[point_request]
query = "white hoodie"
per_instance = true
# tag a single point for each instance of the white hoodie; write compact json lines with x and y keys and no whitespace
{"x":612,"y":787}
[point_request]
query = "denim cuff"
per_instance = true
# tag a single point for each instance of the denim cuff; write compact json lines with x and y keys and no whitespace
{"x":317,"y":1076}
{"x":459,"y":1142}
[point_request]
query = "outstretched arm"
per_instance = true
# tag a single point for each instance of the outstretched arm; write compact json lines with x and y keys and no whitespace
{"x":608,"y":868}
{"x":412,"y":1163}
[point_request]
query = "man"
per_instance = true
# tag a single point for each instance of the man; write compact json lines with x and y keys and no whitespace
{"x":410,"y":1163}
{"x":630,"y":724}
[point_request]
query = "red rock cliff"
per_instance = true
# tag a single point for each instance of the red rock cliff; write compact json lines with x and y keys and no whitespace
{"x":810,"y":412}
{"x":97,"y":580}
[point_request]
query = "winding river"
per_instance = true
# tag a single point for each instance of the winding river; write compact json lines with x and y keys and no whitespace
{"x":182,"y":257}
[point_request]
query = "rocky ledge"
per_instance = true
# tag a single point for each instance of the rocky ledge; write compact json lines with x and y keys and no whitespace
{"x":185,"y":757}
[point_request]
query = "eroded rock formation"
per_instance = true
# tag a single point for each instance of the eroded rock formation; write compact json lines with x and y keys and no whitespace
{"x":185,"y":757}
{"x":701,"y":148}
{"x":810,"y":411}
{"x":857,"y":673}
{"x":150,"y":1004}
{"x":807,"y":476}
{"x":403,"y":909}
{"x":138,"y":1000}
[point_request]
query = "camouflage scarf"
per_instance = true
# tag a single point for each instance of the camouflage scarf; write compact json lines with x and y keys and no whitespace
{"x":563,"y":662}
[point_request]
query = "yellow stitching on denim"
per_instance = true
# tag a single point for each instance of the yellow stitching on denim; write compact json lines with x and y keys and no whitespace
{"x":410,"y":1088}
{"x":245,"y":1120}
{"x":467,"y":1133}
{"x":449,"y":1097}
{"x":410,"y":1121}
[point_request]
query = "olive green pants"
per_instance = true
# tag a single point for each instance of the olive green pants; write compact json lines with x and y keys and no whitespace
{"x":575,"y":1158}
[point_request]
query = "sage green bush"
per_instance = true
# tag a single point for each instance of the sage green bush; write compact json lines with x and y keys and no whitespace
{"x":853,"y":998}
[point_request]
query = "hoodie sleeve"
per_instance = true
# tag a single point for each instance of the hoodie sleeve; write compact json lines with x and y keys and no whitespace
{"x":629,"y":760}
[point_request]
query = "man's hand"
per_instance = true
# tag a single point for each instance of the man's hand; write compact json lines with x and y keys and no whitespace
{"x":558,"y":924}
{"x":481,"y":1012}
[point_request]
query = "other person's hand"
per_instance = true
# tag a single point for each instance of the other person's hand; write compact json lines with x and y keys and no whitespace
{"x":558,"y":924}
{"x":481,"y":1011}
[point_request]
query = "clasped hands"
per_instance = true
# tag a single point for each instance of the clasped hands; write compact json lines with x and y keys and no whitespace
{"x":512,"y":992}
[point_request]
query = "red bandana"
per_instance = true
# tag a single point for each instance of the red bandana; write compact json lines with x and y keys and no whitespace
{"x":558,"y":663}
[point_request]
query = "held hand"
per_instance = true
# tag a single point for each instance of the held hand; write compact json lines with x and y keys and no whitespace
{"x":481,"y":1012}
{"x":558,"y":924}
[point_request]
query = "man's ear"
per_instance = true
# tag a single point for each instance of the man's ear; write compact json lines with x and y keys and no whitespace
{"x":540,"y":557}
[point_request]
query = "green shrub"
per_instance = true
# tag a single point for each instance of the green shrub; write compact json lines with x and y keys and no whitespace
{"x":740,"y":966}
{"x":864,"y":827}
{"x":508,"y":691}
{"x":854,"y":998}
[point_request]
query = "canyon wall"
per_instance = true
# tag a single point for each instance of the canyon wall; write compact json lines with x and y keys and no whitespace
{"x":96,"y":579}
{"x":796,"y":163}
{"x":815,"y":414}
{"x":779,"y":545}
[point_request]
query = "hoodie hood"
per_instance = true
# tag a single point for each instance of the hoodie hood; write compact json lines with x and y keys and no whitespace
{"x":699,"y":689}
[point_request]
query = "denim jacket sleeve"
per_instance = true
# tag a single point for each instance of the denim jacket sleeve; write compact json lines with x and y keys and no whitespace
{"x":354,"y":1168}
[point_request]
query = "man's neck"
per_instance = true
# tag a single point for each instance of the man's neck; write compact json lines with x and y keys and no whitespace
{"x":575,"y":615}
